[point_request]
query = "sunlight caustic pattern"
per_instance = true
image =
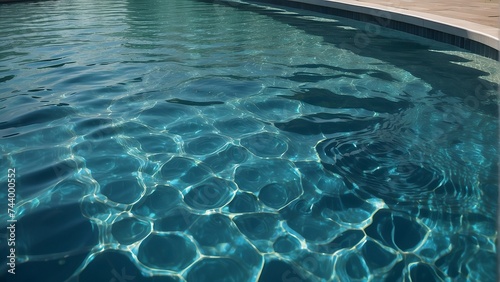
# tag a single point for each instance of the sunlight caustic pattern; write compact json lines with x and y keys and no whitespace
{"x":184,"y":140}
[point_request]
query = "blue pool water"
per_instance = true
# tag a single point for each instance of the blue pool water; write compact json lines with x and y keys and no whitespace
{"x":188,"y":140}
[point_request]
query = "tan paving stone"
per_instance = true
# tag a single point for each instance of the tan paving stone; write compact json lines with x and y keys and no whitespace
{"x":485,"y":12}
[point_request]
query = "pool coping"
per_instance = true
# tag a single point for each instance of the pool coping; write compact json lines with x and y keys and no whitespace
{"x":476,"y":38}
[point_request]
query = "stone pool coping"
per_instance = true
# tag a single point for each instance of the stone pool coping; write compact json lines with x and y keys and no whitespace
{"x":474,"y":37}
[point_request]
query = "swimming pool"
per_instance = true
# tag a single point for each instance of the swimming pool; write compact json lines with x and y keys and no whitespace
{"x":185,"y":140}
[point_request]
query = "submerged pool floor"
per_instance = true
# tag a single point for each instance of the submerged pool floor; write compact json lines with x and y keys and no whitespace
{"x":185,"y":140}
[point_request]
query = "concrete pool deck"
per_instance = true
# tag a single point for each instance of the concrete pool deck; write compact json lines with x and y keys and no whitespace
{"x":477,"y":17}
{"x":472,"y":25}
{"x":483,"y":12}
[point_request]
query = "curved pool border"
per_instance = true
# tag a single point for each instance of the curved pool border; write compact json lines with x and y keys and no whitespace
{"x":476,"y":38}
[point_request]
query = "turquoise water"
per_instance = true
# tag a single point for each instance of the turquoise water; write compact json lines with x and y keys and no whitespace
{"x":184,"y":140}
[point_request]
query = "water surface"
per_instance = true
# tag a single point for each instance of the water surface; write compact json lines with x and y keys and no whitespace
{"x":185,"y":140}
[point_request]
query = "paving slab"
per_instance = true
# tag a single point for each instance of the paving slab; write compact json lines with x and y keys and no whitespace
{"x":484,"y":12}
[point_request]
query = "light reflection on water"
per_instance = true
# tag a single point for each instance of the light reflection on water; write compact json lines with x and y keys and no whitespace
{"x":183,"y":140}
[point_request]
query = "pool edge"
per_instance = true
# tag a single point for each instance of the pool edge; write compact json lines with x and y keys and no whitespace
{"x":476,"y":38}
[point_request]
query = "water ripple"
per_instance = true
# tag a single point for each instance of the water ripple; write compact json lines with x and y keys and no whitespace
{"x":189,"y":140}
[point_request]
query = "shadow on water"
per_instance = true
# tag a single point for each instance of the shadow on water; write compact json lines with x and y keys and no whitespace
{"x":440,"y":70}
{"x":328,"y":99}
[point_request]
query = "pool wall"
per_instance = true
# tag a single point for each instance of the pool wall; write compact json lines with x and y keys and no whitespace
{"x":476,"y":38}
